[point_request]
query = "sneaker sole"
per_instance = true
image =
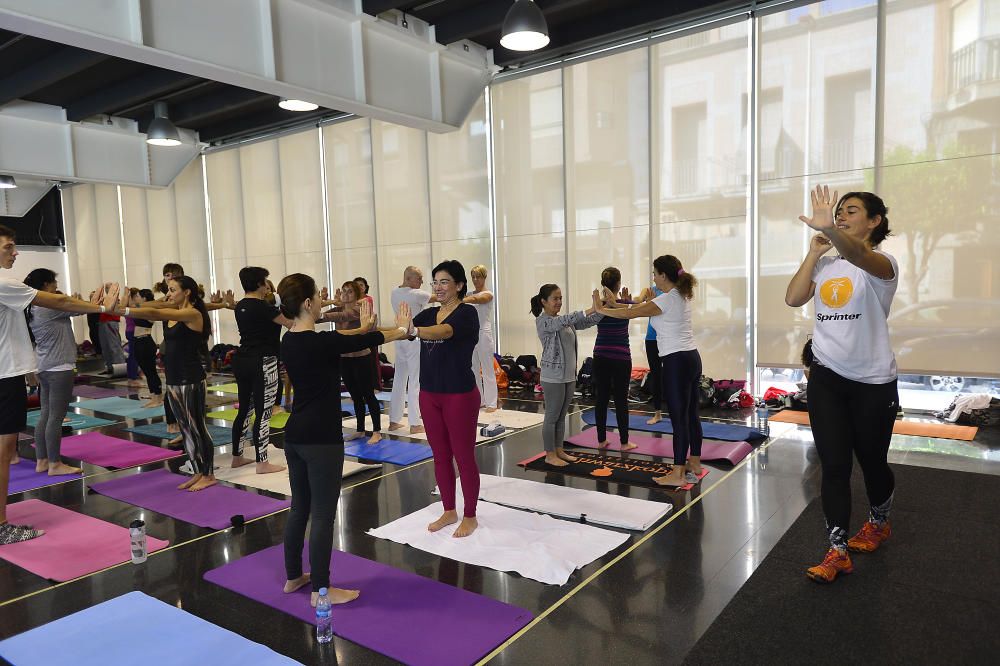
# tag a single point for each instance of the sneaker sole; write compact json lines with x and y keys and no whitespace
{"x":824,"y":581}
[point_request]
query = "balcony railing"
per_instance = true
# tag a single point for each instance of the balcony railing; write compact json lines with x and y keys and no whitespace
{"x":978,"y":62}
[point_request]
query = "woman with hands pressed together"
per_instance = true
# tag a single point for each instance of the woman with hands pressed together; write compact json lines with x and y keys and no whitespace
{"x":670,"y":316}
{"x":853,"y":398}
{"x":314,"y":447}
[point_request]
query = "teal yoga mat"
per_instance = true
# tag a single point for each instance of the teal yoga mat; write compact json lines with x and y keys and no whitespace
{"x":723,"y":431}
{"x":220,"y":436}
{"x":76,"y":421}
{"x":130,"y":409}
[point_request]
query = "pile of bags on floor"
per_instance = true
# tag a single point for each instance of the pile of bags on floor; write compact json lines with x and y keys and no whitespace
{"x":975,"y":409}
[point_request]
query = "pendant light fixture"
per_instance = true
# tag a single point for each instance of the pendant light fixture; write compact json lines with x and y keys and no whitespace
{"x":297,"y":105}
{"x":7,"y":183}
{"x":161,"y":131}
{"x":524,"y":27}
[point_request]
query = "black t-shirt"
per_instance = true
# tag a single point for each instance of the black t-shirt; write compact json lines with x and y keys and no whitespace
{"x":312,"y":359}
{"x":259,"y":335}
{"x":446,"y":365}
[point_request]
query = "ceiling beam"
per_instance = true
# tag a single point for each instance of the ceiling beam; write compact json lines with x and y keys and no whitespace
{"x":261,"y":122}
{"x":148,"y":86}
{"x":376,"y":7}
{"x":64,"y":63}
{"x":201,"y":109}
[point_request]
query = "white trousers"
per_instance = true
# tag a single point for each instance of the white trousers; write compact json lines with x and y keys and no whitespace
{"x":406,"y":383}
{"x":482,"y":368}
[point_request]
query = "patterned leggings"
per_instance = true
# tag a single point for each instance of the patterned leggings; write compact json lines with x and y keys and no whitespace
{"x":188,"y":404}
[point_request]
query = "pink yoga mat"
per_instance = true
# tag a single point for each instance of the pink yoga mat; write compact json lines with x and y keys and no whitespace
{"x":711,"y":449}
{"x":73,"y":545}
{"x":104,"y":451}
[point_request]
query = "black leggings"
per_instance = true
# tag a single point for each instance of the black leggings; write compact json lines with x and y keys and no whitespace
{"x":357,"y":374}
{"x":681,"y":378}
{"x":257,"y":379}
{"x":145,"y":354}
{"x":188,"y":404}
{"x":655,"y":382}
{"x":849,"y":419}
{"x":611,"y":378}
{"x":314,"y":473}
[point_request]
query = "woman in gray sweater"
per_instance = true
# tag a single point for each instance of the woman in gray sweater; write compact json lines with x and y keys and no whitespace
{"x":55,"y":347}
{"x":558,"y":336}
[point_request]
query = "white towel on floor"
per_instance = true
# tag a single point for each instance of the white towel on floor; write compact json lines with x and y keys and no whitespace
{"x":534,"y":545}
{"x":510,"y":418}
{"x":600,"y":508}
{"x":276,"y":482}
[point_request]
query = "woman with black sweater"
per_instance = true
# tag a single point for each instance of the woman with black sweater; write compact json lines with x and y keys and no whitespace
{"x":314,"y":441}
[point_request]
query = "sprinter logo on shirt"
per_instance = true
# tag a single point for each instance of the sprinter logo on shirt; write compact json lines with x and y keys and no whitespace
{"x":837,"y":292}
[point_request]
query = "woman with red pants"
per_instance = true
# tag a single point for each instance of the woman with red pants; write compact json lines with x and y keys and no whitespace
{"x":449,"y":399}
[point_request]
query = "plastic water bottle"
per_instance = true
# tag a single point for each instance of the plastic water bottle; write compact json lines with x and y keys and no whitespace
{"x":324,"y":621}
{"x":762,"y":425}
{"x":137,"y":534}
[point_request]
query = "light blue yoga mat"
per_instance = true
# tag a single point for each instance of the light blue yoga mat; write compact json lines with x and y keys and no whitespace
{"x":388,"y":450}
{"x":220,"y":436}
{"x":76,"y":421}
{"x":130,"y":409}
{"x":723,"y":431}
{"x":135,"y":629}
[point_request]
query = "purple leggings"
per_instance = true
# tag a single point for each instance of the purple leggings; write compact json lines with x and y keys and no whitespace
{"x":450,"y":420}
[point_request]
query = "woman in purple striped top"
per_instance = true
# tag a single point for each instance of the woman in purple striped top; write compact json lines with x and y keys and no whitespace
{"x":612,"y":363}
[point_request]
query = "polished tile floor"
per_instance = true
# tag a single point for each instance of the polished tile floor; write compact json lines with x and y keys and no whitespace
{"x":647,"y":602}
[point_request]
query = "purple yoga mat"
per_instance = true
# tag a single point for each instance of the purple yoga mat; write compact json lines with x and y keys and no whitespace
{"x":24,"y":477}
{"x":94,"y":392}
{"x":99,"y":449}
{"x":711,"y":449}
{"x":212,"y":507}
{"x":404,"y":616}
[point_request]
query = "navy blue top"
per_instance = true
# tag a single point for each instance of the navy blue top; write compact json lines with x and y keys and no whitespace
{"x":446,"y":365}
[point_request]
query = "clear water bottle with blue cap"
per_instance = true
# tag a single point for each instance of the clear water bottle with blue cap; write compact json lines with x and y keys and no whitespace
{"x":324,"y":620}
{"x":762,"y":425}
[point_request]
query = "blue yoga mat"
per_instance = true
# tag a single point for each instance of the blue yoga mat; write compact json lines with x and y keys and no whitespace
{"x":723,"y":431}
{"x":389,"y":450}
{"x":134,"y":629}
{"x":76,"y":422}
{"x":220,"y":436}
{"x":130,"y":409}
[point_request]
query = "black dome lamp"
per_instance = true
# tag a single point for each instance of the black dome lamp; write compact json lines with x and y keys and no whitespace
{"x":524,"y":27}
{"x":161,"y":131}
{"x":7,"y":183}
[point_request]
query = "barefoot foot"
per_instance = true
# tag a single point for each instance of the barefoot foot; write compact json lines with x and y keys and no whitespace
{"x":375,"y":438}
{"x":41,"y":465}
{"x":490,"y":410}
{"x":268,"y":468}
{"x":552,"y":459}
{"x":396,"y":426}
{"x":657,"y":417}
{"x":565,"y":456}
{"x":292,"y":585}
{"x":466,"y":527}
{"x":55,"y":469}
{"x":239,"y":461}
{"x":204,"y":482}
{"x":674,"y":479}
{"x":358,"y":434}
{"x":416,"y":430}
{"x":628,"y":446}
{"x":190,"y":482}
{"x":447,"y":518}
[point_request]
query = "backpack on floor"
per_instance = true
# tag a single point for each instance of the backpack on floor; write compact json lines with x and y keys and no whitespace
{"x":706,"y":392}
{"x":585,"y":378}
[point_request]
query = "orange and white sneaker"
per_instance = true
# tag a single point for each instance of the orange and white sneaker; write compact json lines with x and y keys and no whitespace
{"x":869,"y":537}
{"x":835,"y":563}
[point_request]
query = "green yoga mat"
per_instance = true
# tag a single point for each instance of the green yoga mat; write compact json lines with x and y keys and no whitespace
{"x":225,"y":388}
{"x":277,"y":421}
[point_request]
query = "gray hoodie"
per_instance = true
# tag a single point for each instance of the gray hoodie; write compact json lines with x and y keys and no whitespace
{"x":558,"y":364}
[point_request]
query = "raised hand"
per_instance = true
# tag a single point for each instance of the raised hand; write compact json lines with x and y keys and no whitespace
{"x":230,"y":298}
{"x":215,"y":297}
{"x":110,"y":296}
{"x":822,"y":209}
{"x":626,"y":295}
{"x":324,"y":294}
{"x":820,"y":245}
{"x":365,"y":316}
{"x":598,"y":300}
{"x":404,"y":318}
{"x":337,"y":298}
{"x":97,"y":295}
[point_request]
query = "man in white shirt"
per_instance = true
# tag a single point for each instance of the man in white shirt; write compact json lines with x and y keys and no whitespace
{"x":406,"y":380}
{"x":18,"y":360}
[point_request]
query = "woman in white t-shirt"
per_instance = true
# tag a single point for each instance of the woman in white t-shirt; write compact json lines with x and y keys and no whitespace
{"x":670,"y":316}
{"x":853,"y":398}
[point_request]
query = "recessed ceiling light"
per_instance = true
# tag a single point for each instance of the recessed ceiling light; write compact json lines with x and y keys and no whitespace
{"x":297,"y":105}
